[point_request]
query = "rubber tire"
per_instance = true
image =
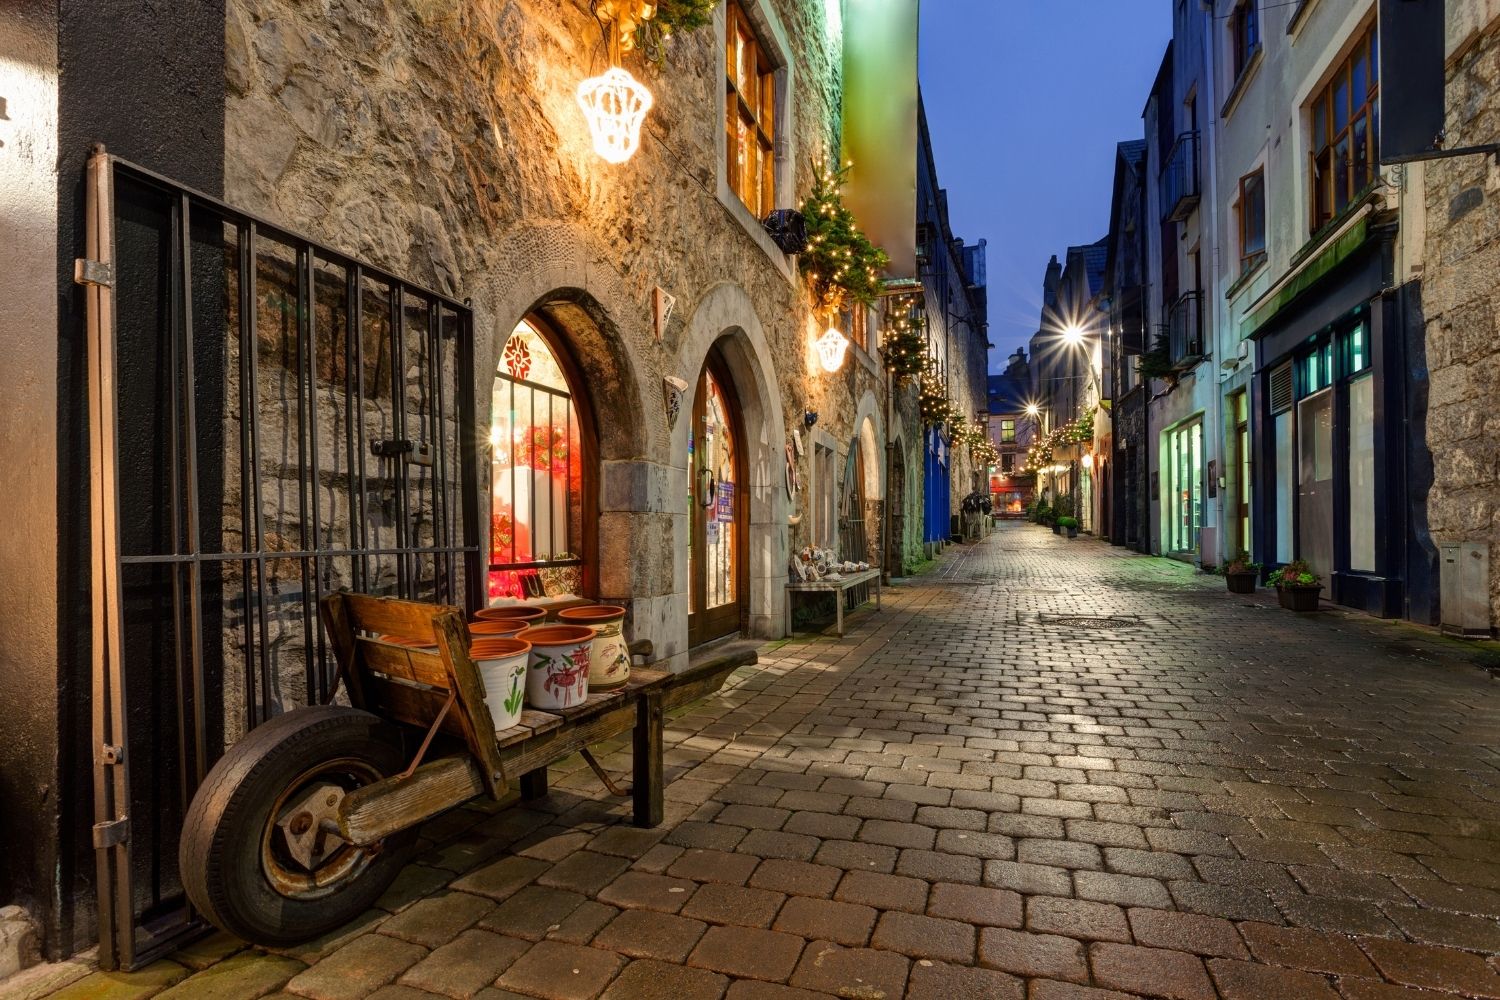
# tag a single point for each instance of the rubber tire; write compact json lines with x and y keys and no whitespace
{"x":219,"y":854}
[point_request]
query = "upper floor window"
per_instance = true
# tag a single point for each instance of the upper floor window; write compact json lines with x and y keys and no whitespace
{"x":1007,"y":431}
{"x":1345,"y":160}
{"x":1252,"y":212}
{"x":749,"y":115}
{"x":1245,"y":25}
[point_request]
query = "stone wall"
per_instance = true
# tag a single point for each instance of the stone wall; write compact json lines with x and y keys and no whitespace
{"x":1460,"y":297}
{"x":442,"y":140}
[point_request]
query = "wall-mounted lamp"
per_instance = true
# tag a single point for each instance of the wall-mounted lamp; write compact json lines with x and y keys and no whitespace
{"x":614,"y":106}
{"x":831,"y":347}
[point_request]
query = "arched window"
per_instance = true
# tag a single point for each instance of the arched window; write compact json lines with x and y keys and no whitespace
{"x":541,"y":472}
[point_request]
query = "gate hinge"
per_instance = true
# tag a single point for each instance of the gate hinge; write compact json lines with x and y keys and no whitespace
{"x":116,"y":831}
{"x":93,"y":272}
{"x":111,"y":754}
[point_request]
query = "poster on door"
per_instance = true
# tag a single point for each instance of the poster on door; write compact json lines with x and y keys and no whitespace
{"x":724,"y":503}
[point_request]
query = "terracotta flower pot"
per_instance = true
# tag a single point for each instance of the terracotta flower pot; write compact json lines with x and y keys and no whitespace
{"x":502,"y":668}
{"x":500,"y":628}
{"x":512,"y":612}
{"x":1240,"y":583}
{"x":557,"y":675}
{"x":609,"y":659}
{"x":1299,"y":598}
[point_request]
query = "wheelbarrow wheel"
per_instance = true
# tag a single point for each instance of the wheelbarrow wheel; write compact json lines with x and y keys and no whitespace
{"x":260,"y":856}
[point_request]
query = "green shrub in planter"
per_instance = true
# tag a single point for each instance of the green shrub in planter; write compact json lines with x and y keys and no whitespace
{"x":1069,"y":525}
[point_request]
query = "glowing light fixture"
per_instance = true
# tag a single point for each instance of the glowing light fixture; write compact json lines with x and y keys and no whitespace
{"x":1032,"y":410}
{"x":831,"y":347}
{"x":1074,"y":335}
{"x":614,"y":106}
{"x":1088,"y":460}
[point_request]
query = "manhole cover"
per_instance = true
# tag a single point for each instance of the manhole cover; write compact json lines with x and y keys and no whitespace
{"x":1093,"y":621}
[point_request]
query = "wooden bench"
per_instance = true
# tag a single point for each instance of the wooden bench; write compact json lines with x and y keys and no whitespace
{"x":839,"y":587}
{"x":438,"y":692}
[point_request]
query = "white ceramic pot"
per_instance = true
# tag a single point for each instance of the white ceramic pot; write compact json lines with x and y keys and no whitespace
{"x":557,"y":675}
{"x":609,"y":658}
{"x":502,"y":668}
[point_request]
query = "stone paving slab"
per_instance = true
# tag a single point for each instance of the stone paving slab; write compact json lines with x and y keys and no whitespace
{"x":1048,"y":770}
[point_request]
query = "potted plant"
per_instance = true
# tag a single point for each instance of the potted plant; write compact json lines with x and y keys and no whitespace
{"x":1068,"y":524}
{"x":1041,"y":512}
{"x":1297,"y":586}
{"x":1241,"y":574}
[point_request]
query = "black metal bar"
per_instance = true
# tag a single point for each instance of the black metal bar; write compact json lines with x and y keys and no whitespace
{"x":350,"y":414}
{"x":362,"y":577}
{"x":291,"y":554}
{"x":318,"y":665}
{"x":442,"y":575}
{"x":246,"y":320}
{"x":398,"y":431}
{"x":252,"y":717}
{"x":304,"y":378}
{"x":195,"y":571}
{"x":176,"y":305}
{"x":469,"y":464}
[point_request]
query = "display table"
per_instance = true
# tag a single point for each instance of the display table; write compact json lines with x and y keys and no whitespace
{"x":838,"y":587}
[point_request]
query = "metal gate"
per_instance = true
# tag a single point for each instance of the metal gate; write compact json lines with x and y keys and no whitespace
{"x":270,"y":420}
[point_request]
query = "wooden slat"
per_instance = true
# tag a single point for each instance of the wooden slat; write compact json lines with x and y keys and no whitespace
{"x":463,"y":680}
{"x":402,"y":661}
{"x":388,"y":616}
{"x":539,"y":721}
{"x":415,"y":706}
{"x":335,"y":615}
{"x":645,"y":677}
{"x":369,"y":814}
{"x":539,"y":751}
{"x":596,"y":702}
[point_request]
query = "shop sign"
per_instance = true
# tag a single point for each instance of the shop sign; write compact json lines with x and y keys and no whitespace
{"x":724,"y":503}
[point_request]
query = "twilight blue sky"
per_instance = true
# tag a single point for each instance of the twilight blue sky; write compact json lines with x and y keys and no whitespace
{"x":1026,"y":100}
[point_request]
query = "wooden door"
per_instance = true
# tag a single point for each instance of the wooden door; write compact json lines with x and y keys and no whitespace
{"x":718,"y":509}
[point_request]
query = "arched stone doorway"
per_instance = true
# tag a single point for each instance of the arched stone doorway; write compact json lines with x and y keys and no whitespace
{"x":724,"y":323}
{"x":555,"y":530}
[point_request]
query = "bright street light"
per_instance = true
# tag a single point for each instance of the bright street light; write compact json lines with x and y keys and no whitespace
{"x":1032,"y":410}
{"x":1074,"y":335}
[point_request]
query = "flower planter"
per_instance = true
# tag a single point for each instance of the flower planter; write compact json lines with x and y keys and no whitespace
{"x":1299,"y":598}
{"x":1240,"y":583}
{"x":1057,"y":529}
{"x":495,"y":628}
{"x":511,"y":613}
{"x":558,"y":673}
{"x":609,"y":659}
{"x":502,"y":668}
{"x":1072,"y":532}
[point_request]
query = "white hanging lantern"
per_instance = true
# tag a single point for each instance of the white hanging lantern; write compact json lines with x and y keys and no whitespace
{"x":614,"y":106}
{"x":831,"y":347}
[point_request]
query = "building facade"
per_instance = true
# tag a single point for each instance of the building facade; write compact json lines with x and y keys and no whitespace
{"x":443,"y":348}
{"x":1459,"y":302}
{"x":1322,"y":310}
{"x":1013,"y":421}
{"x":1126,"y":288}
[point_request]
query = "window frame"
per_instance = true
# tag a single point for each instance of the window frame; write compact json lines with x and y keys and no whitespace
{"x":1324,"y":203}
{"x":1007,"y":434}
{"x":587,"y":558}
{"x":1251,"y":258}
{"x":1244,"y":36}
{"x":756,"y":113}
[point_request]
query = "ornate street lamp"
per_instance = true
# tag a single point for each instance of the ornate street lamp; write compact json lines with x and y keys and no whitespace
{"x":614,"y":106}
{"x":831,"y":347}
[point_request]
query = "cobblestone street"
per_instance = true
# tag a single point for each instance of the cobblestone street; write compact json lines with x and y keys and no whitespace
{"x":971,"y":796}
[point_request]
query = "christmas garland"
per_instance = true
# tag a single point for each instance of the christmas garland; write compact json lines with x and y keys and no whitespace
{"x":903,"y":345}
{"x":1077,"y":432}
{"x":840,"y":262}
{"x":649,"y":25}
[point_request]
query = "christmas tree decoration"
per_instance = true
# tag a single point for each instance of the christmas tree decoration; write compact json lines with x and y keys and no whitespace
{"x":840,"y":263}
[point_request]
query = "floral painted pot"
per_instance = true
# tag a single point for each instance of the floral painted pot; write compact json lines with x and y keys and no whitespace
{"x":496,"y":629}
{"x":558,"y":673}
{"x":502,"y":668}
{"x":511,"y":612}
{"x":609,"y":659}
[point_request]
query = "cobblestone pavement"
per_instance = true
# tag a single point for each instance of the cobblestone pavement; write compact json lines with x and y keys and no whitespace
{"x":971,"y":796}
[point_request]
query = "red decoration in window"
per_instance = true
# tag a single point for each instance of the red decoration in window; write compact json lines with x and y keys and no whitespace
{"x":517,"y":357}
